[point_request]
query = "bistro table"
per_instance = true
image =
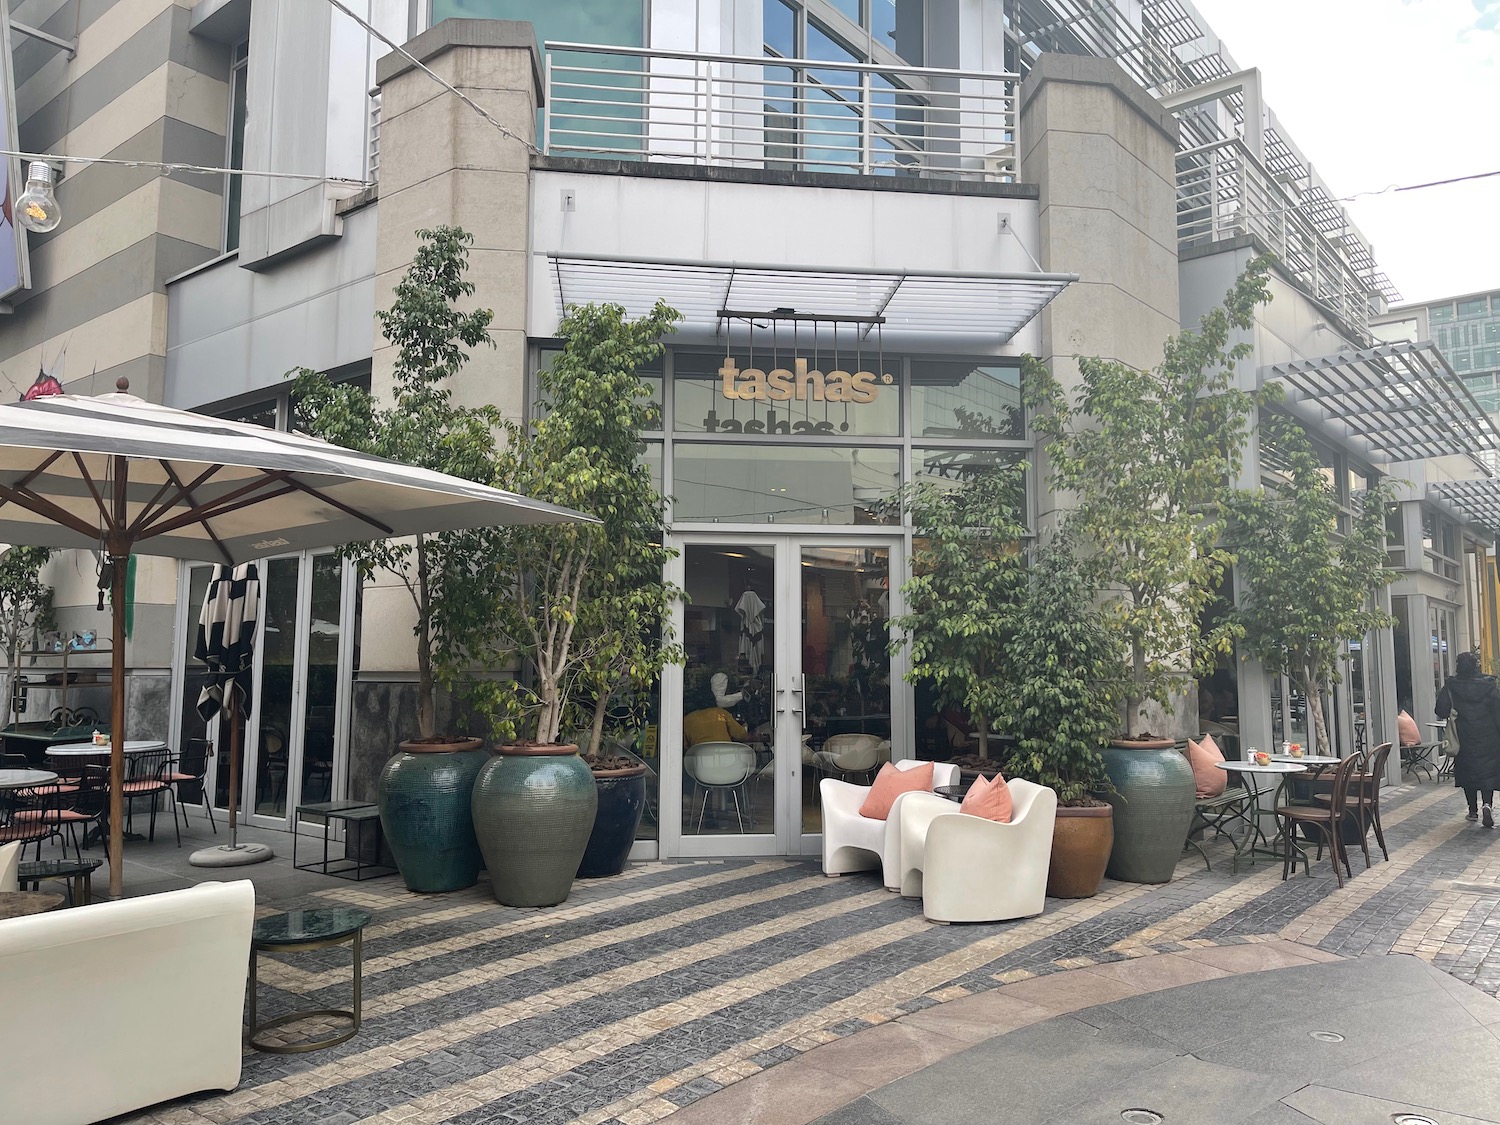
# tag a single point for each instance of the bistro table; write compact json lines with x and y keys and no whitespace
{"x":78,"y":872}
{"x":89,"y":750}
{"x":1283,"y":770}
{"x":294,"y":932}
{"x":25,"y":779}
{"x":18,"y":904}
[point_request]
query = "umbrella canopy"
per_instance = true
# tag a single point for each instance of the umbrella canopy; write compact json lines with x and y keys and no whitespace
{"x":118,"y":474}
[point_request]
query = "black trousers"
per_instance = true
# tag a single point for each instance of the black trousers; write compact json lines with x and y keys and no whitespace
{"x":1473,"y":797}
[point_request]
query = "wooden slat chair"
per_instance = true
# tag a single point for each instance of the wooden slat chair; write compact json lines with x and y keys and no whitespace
{"x":1326,"y":819}
{"x":1364,"y":798}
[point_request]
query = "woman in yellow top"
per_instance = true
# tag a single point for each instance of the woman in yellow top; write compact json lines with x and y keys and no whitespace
{"x":712,"y":724}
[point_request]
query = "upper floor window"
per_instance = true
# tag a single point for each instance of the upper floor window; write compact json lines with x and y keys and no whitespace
{"x":234,"y":155}
{"x":870,"y":30}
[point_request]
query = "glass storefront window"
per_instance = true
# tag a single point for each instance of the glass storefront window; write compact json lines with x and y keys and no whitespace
{"x":966,"y":400}
{"x":768,"y":390}
{"x":742,"y":483}
{"x":952,"y":467}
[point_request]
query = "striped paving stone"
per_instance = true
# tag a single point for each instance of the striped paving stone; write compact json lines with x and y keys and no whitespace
{"x":645,"y":993}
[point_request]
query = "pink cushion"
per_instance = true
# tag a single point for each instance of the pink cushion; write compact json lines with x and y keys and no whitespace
{"x":890,"y":783}
{"x":1406,"y":727}
{"x":989,"y":799}
{"x":1209,"y":779}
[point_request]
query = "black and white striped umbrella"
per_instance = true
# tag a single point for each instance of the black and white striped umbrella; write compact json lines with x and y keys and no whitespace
{"x":117,"y":474}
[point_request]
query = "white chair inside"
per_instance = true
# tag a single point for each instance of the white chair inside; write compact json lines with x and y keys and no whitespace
{"x":849,"y":756}
{"x":720,"y":767}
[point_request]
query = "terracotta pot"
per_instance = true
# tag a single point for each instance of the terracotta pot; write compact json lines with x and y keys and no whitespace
{"x":424,"y":799}
{"x":1081,"y":842}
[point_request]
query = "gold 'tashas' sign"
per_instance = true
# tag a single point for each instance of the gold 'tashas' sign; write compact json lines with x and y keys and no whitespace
{"x":800,"y":384}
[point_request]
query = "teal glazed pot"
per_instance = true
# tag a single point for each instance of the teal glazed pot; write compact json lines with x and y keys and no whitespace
{"x":424,"y":800}
{"x":1153,"y":802}
{"x":533,"y":811}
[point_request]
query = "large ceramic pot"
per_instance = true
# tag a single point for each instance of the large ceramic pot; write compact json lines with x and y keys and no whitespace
{"x":1153,"y":803}
{"x":622,"y":796}
{"x":533,"y":811}
{"x":424,"y":798}
{"x":1082,"y":839}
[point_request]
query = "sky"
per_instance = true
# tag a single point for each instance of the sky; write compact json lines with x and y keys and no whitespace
{"x":1378,"y":93}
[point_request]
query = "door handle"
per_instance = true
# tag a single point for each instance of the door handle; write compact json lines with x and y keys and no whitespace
{"x":795,"y":690}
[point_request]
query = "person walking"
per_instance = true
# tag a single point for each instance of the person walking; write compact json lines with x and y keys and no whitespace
{"x":1476,"y":699}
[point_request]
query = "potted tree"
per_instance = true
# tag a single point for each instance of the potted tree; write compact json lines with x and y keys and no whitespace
{"x":583,"y":604}
{"x":424,"y":788}
{"x":968,"y":574}
{"x":25,"y":610}
{"x":1149,"y":458}
{"x":1062,"y":706}
{"x":1305,"y":592}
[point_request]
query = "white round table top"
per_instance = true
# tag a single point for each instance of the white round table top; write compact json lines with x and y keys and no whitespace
{"x":1442,"y":723}
{"x":1251,"y":767}
{"x":132,"y":746}
{"x":23,"y":779}
{"x":1308,"y":759}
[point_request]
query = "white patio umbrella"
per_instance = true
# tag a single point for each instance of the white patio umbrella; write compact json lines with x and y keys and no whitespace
{"x":117,"y":474}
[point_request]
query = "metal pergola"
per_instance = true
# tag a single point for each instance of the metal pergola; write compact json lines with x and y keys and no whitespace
{"x":1477,"y":500}
{"x":1400,"y":402}
{"x":984,"y":308}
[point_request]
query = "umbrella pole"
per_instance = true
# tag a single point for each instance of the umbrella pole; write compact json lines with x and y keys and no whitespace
{"x":234,"y":763}
{"x":117,"y":565}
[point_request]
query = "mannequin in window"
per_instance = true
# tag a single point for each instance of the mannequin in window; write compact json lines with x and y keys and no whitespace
{"x":710,"y":722}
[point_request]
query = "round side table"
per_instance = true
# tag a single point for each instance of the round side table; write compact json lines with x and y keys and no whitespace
{"x":300,"y":931}
{"x":20,"y":904}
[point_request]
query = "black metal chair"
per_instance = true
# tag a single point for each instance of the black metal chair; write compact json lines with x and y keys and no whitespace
{"x":147,"y":776}
{"x":190,"y":768}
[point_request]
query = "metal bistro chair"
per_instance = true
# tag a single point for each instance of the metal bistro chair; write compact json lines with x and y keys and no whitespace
{"x":61,"y":811}
{"x":1419,"y":758}
{"x":1364,"y":798}
{"x":1326,"y":819}
{"x":148,"y":776}
{"x":191,"y":768}
{"x":1218,"y":814}
{"x":722,"y":767}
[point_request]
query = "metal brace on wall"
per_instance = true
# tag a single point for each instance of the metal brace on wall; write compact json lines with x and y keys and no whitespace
{"x":69,"y":45}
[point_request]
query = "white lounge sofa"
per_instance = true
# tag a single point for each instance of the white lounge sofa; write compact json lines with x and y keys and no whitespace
{"x":857,"y":843}
{"x":113,"y":1007}
{"x":969,"y":869}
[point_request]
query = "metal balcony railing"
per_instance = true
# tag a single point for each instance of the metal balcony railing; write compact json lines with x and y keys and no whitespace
{"x":803,"y":115}
{"x":1223,"y":192}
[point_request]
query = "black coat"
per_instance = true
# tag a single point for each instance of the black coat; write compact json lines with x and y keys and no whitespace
{"x":1477,"y":701}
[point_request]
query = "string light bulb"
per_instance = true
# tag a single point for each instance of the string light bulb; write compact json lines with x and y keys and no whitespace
{"x":36,"y":208}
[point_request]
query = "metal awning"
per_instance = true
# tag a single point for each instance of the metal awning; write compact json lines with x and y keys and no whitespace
{"x":987,"y":308}
{"x":1477,"y":500}
{"x":1402,"y":401}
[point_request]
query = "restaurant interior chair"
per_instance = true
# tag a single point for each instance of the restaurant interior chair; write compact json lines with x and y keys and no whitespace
{"x":720,"y":767}
{"x":191,"y":768}
{"x":1364,"y":798}
{"x":852,"y":757}
{"x":968,"y":868}
{"x":271,"y":777}
{"x":148,"y":775}
{"x":1326,"y":819}
{"x":15,"y":762}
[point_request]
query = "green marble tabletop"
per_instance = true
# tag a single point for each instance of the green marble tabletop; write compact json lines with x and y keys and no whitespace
{"x":298,"y":926}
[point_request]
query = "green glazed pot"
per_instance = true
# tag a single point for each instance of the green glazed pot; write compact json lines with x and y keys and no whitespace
{"x":1153,"y":802}
{"x":533,"y":811}
{"x":424,"y":799}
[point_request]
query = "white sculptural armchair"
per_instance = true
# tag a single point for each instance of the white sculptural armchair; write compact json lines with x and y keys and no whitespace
{"x":857,"y":843}
{"x":969,"y":869}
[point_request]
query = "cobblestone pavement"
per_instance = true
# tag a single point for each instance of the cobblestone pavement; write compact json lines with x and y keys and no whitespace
{"x":646,"y":992}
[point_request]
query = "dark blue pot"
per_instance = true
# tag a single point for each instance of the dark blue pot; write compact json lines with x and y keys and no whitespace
{"x":622,"y":796}
{"x":425,"y":812}
{"x":1153,"y":802}
{"x":533,"y":811}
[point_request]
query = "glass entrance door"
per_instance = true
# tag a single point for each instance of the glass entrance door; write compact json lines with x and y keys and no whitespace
{"x":788,"y":679}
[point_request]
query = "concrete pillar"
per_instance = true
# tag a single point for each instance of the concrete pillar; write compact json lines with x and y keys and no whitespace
{"x":1103,"y":153}
{"x":441,"y":163}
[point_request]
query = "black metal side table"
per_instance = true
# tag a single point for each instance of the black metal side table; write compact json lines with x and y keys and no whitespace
{"x":300,"y":931}
{"x":954,"y":793}
{"x":78,"y":872}
{"x":359,"y":818}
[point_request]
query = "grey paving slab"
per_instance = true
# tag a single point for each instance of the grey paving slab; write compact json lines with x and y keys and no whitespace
{"x":1460,"y":1073}
{"x":1339,"y":1107}
{"x":1184,"y":1089}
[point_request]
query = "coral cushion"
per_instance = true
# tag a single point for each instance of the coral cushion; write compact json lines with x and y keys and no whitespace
{"x":989,"y":799}
{"x":1406,"y":727}
{"x":890,"y":783}
{"x":1209,"y":779}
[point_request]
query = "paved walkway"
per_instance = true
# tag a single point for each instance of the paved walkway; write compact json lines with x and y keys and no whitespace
{"x":646,"y":993}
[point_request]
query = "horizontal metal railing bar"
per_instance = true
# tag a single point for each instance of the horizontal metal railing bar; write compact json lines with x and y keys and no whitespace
{"x":776,"y":60}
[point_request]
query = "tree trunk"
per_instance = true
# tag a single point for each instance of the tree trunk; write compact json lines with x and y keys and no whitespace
{"x":1134,"y":699}
{"x":596,"y":730}
{"x":1312,"y":692}
{"x":426,"y":683}
{"x":984,"y":737}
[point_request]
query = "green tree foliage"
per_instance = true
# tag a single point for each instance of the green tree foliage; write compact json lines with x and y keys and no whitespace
{"x":1064,"y":665}
{"x":968,"y":575}
{"x":25,"y":608}
{"x":1149,"y":458}
{"x":421,"y":425}
{"x":1305,"y":590}
{"x":585,"y":603}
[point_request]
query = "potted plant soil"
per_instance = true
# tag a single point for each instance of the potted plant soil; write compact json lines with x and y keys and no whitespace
{"x":1150,"y":458}
{"x":584,"y":605}
{"x":424,"y":789}
{"x":1063,"y":706}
